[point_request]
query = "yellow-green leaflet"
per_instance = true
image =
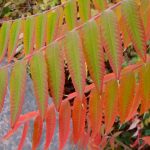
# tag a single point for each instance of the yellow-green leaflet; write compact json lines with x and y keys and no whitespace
{"x":70,"y":14}
{"x":56,"y":78}
{"x":84,"y":9}
{"x":112,"y":40}
{"x":28,"y":32}
{"x":3,"y":85}
{"x":4,"y":35}
{"x":17,"y":90}
{"x":93,"y":52}
{"x":40,"y":21}
{"x":51,"y":25}
{"x":38,"y":70}
{"x":135,"y":26}
{"x":74,"y":56}
{"x":13,"y":38}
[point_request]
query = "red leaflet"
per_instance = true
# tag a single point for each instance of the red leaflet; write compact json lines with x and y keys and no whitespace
{"x":37,"y":132}
{"x":110,"y":100}
{"x":24,"y":134}
{"x":50,"y":125}
{"x":135,"y":104}
{"x":64,"y":123}
{"x":144,"y":87}
{"x":126,"y":95}
{"x":95,"y":112}
{"x":78,"y":118}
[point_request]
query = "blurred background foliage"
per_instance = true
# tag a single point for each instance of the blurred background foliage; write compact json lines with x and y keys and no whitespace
{"x":11,"y":9}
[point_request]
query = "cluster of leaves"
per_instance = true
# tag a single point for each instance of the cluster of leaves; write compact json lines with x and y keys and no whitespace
{"x":71,"y":33}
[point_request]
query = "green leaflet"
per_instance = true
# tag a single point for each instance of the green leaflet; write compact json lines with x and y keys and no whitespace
{"x":110,"y":100}
{"x":40,"y":21}
{"x":75,"y":61}
{"x":55,"y":64}
{"x":112,"y":40}
{"x":70,"y":14}
{"x":51,"y":25}
{"x":17,"y":90}
{"x":100,"y":4}
{"x":38,"y":70}
{"x":13,"y":38}
{"x":28,"y":32}
{"x":93,"y":52}
{"x":84,"y":9}
{"x":135,"y":26}
{"x":3,"y":85}
{"x":4,"y":35}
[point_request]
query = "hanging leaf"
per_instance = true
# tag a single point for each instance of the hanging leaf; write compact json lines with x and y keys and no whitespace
{"x":28,"y":34}
{"x":55,"y":64}
{"x":93,"y":52}
{"x":3,"y":86}
{"x":78,"y":119}
{"x":100,"y":4}
{"x":13,"y":38}
{"x":4,"y":35}
{"x":110,"y":100}
{"x":135,"y":26}
{"x":145,"y":87}
{"x":64,"y":123}
{"x":37,"y":132}
{"x":38,"y":70}
{"x":40,"y":22}
{"x":70,"y":14}
{"x":17,"y":90}
{"x":95,"y":112}
{"x":112,"y":40}
{"x":84,"y":9}
{"x":52,"y":19}
{"x":24,"y":134}
{"x":126,"y":95}
{"x":50,"y":125}
{"x":75,"y":61}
